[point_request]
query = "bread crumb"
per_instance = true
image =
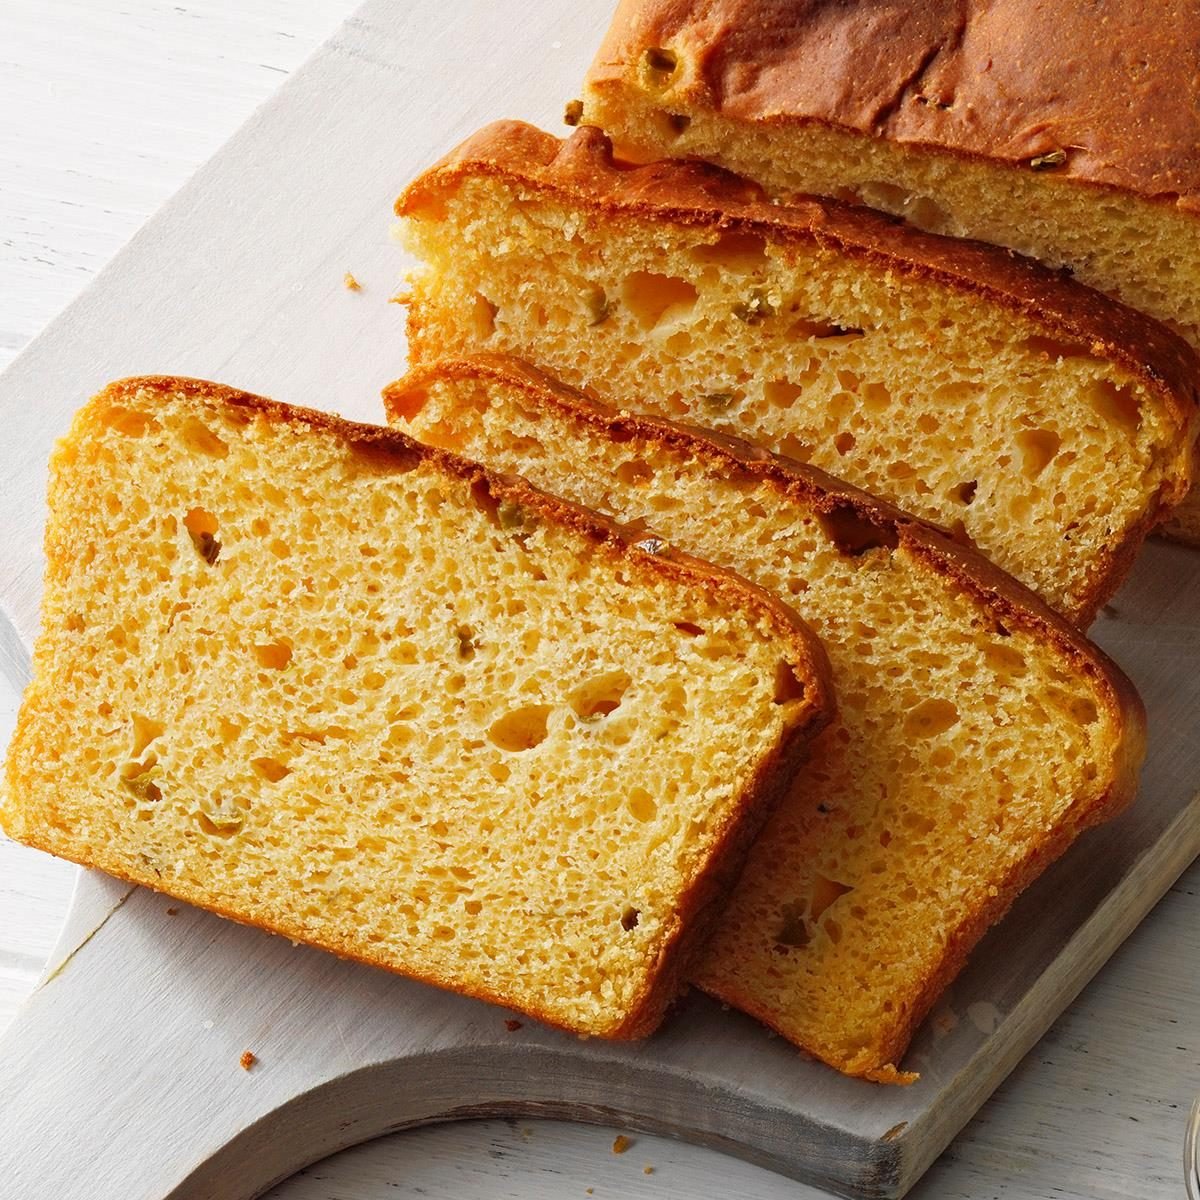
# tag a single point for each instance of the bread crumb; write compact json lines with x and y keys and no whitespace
{"x":172,"y":911}
{"x":352,"y":284}
{"x":647,"y":1170}
{"x":512,"y":1026}
{"x":589,"y":1191}
{"x":248,"y":1059}
{"x":621,"y":1143}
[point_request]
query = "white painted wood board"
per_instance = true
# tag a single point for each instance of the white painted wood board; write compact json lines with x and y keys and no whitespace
{"x":240,"y":279}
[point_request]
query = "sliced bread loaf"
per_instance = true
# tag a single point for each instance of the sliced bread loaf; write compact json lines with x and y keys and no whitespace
{"x":1044,"y":421}
{"x":955,"y":115}
{"x":977,"y":735}
{"x":362,"y":693}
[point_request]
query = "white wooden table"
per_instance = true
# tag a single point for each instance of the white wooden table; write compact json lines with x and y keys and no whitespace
{"x":106,"y":106}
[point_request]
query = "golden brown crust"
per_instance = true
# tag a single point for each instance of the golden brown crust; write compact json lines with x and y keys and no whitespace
{"x":582,"y":170}
{"x":1005,"y":602}
{"x":1111,"y":86}
{"x":390,"y":450}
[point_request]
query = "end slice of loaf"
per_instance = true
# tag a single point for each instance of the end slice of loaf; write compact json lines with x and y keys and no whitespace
{"x":362,"y":693}
{"x":956,"y":119}
{"x":978,"y":733}
{"x":1043,"y":421}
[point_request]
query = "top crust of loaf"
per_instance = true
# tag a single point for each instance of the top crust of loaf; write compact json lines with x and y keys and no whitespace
{"x":1012,"y":604}
{"x":583,"y":171}
{"x":389,"y":451}
{"x":1111,"y":85}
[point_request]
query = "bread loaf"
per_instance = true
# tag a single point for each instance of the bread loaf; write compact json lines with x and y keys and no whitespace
{"x":1066,"y":131}
{"x":977,"y":735}
{"x":362,"y":693}
{"x":1041,"y":420}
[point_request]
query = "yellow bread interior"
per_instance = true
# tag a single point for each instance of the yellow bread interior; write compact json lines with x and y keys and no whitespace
{"x":977,"y":733}
{"x":1050,"y":458}
{"x":314,"y":677}
{"x":1143,"y":252}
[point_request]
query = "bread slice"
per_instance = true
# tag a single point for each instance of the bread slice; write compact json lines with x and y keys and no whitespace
{"x":980,"y":391}
{"x":978,"y":732}
{"x":958,"y":117}
{"x":362,"y":693}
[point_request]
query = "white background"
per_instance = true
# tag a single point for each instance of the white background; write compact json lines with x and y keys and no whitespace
{"x":106,"y":107}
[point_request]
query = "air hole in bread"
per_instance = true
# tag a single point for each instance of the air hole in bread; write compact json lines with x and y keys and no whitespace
{"x":1038,"y":448}
{"x":407,"y":403}
{"x":792,"y":447}
{"x":1005,"y":660}
{"x":270,"y":769}
{"x":1117,"y":405}
{"x":671,"y":125}
{"x":629,"y":918}
{"x":131,"y":422}
{"x":808,"y":327}
{"x":202,"y":527}
{"x":654,"y":298}
{"x":930,"y":718}
{"x":689,"y":628}
{"x":600,"y":696}
{"x":788,"y":685}
{"x":641,"y":805}
{"x":853,"y":533}
{"x":145,"y":731}
{"x":466,"y":643}
{"x":734,"y":251}
{"x":384,"y":455}
{"x":197,"y":436}
{"x":793,"y":933}
{"x":139,"y":781}
{"x":1053,"y":348}
{"x":634,"y":472}
{"x":964,"y":493}
{"x":273,"y":655}
{"x":659,"y":66}
{"x":781,"y":393}
{"x":927,"y":213}
{"x":221,"y":822}
{"x":875,"y":397}
{"x":521,"y":729}
{"x":483,"y":316}
{"x":825,"y":892}
{"x":890,"y":197}
{"x":844,"y":442}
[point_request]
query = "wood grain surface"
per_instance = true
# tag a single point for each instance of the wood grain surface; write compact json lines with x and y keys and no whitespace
{"x":104,"y":109}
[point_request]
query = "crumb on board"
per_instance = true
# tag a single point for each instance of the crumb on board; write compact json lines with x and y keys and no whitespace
{"x":512,"y":1025}
{"x":621,"y":1143}
{"x":172,"y":911}
{"x":352,"y":284}
{"x":647,"y":1170}
{"x":589,"y":1191}
{"x":248,"y":1059}
{"x":403,"y":296}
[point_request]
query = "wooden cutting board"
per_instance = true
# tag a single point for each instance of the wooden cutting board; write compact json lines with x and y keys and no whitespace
{"x":121,"y":1080}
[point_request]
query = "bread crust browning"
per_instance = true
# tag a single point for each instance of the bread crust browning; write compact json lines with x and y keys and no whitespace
{"x":390,"y":450}
{"x":969,"y":79}
{"x":582,"y":169}
{"x":1007,"y":603}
